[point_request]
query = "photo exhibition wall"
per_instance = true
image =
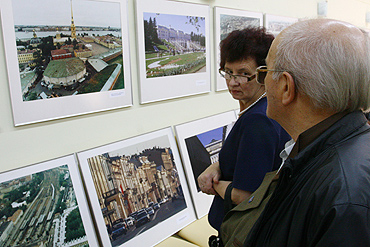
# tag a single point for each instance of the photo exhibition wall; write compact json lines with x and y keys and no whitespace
{"x":110,"y":109}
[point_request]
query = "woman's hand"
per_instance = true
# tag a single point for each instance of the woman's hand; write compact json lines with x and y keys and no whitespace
{"x":210,"y":176}
{"x":237,"y":195}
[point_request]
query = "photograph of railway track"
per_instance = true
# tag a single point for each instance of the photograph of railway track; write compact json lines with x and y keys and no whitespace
{"x":40,"y":209}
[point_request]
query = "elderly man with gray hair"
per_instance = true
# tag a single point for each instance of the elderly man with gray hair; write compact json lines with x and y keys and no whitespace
{"x":317,"y":82}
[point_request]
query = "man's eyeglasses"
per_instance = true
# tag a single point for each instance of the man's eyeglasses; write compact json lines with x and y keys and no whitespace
{"x":237,"y":78}
{"x":261,"y":73}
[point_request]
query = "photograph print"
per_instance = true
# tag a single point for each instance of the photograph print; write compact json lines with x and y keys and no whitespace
{"x":66,"y":49}
{"x":44,"y":205}
{"x":173,"y":49}
{"x":200,"y":142}
{"x":275,"y":23}
{"x":226,"y":21}
{"x":139,"y":190}
{"x":203,"y":149}
{"x":174,"y":44}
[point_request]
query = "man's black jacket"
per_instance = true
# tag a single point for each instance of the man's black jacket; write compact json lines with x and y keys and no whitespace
{"x":323,"y":194}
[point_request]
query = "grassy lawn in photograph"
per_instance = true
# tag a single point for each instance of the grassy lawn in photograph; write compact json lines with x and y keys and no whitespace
{"x":178,"y":64}
{"x":96,"y":83}
{"x":120,"y":83}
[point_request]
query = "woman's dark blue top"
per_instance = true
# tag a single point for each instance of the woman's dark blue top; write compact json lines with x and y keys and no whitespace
{"x":251,"y":150}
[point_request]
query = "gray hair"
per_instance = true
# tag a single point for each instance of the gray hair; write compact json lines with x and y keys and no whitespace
{"x":332,"y":69}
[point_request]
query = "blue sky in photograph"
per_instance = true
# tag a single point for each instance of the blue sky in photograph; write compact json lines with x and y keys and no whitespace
{"x":58,"y":12}
{"x":177,"y":22}
{"x":206,"y":137}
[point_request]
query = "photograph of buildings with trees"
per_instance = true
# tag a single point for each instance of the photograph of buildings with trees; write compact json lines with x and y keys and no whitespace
{"x":68,"y":47}
{"x":41,"y":209}
{"x":174,"y":44}
{"x":137,"y":187}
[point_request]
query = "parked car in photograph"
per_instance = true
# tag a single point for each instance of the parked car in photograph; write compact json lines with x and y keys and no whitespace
{"x":164,"y":200}
{"x":130,"y":222}
{"x":119,"y":229}
{"x":150,"y":211}
{"x":133,"y":215}
{"x":142,"y":217}
{"x":156,"y":206}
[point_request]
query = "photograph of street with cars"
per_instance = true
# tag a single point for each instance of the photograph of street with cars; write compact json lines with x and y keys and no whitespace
{"x":174,"y":44}
{"x":40,"y":209}
{"x":137,"y":187}
{"x":68,"y":47}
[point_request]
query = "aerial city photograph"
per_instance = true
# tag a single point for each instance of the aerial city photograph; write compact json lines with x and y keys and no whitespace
{"x":138,"y":187}
{"x":41,"y":209}
{"x":229,"y":23}
{"x":174,"y":44}
{"x":68,"y":47}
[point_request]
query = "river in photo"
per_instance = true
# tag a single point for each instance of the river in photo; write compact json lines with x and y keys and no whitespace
{"x":26,"y":35}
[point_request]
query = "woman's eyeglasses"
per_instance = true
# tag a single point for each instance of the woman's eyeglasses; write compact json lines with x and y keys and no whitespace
{"x":260,"y":75}
{"x":237,"y":78}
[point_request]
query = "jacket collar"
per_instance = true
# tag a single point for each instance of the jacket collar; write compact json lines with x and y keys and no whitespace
{"x":342,"y":129}
{"x":314,"y":132}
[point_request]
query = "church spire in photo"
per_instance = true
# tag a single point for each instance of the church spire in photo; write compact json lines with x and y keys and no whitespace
{"x":73,"y":27}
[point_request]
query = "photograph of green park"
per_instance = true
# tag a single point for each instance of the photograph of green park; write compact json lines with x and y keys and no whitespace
{"x":174,"y":44}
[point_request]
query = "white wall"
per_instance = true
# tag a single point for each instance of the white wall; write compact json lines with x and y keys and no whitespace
{"x":20,"y":146}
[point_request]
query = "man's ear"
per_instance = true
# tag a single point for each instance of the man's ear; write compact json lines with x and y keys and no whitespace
{"x":288,"y":88}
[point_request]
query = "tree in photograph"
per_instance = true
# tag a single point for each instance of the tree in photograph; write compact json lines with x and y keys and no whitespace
{"x":68,"y":41}
{"x":46,"y":46}
{"x":31,"y":96}
{"x":38,"y":61}
{"x":74,"y":226}
{"x":7,"y":210}
{"x":14,"y":195}
{"x":75,"y":44}
{"x":151,"y":34}
{"x":198,"y":38}
{"x":60,"y":205}
{"x":194,"y":20}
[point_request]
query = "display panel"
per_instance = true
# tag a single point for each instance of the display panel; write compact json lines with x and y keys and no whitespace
{"x":173,"y":49}
{"x":226,"y":21}
{"x":45,"y":205}
{"x":200,"y":142}
{"x":137,"y":189}
{"x":66,"y":58}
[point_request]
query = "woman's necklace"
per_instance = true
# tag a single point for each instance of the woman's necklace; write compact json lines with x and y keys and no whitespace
{"x":241,"y":113}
